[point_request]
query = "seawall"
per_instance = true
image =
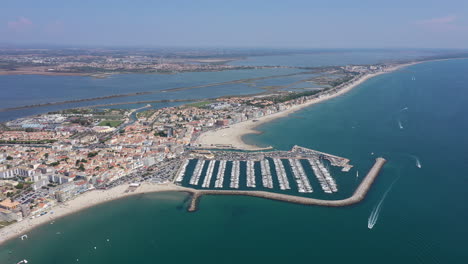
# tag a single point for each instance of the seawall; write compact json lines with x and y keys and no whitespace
{"x":357,"y":196}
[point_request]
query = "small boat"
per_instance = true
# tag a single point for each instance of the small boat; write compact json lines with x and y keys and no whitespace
{"x":357,"y":174}
{"x":418,"y":164}
{"x":23,"y":261}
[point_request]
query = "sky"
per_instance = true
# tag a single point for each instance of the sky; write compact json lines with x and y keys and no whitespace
{"x":239,"y":23}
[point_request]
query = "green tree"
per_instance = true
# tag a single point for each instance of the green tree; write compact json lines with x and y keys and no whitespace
{"x":92,"y":154}
{"x":53,"y":164}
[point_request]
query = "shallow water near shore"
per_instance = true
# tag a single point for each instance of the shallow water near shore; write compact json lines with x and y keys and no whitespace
{"x":422,"y":220}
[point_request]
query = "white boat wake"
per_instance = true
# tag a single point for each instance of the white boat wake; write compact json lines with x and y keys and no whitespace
{"x":404,"y":109}
{"x":374,"y":216}
{"x":416,"y":159}
{"x":400,"y":125}
{"x":418,"y":163}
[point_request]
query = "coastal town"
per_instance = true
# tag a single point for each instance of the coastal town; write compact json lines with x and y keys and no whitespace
{"x":50,"y":159}
{"x":227,"y":132}
{"x":100,"y":62}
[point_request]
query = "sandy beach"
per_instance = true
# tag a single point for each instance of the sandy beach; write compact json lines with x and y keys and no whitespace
{"x":79,"y":203}
{"x":226,"y":136}
{"x":232,"y":135}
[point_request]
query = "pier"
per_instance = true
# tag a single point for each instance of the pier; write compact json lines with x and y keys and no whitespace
{"x":235,"y":173}
{"x":267,"y":179}
{"x":182,"y":170}
{"x":326,"y":181}
{"x":250,"y":174}
{"x":197,"y":172}
{"x":281,"y":174}
{"x":220,"y":176}
{"x":334,"y":160}
{"x":357,"y":196}
{"x":209,"y":174}
{"x":303,"y":183}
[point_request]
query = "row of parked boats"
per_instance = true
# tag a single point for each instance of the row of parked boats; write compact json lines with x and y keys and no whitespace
{"x":323,"y":175}
{"x":267,"y":179}
{"x":209,"y":174}
{"x":281,"y":173}
{"x":235,"y":173}
{"x":220,"y":176}
{"x":303,"y":184}
{"x":197,"y":172}
{"x":250,"y":174}
{"x":181,"y":173}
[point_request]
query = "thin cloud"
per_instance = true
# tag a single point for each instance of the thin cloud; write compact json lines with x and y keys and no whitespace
{"x":20,"y":24}
{"x":444,"y":24}
{"x":438,"y":21}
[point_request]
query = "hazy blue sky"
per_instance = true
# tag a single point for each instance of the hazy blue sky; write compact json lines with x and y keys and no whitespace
{"x":286,"y":23}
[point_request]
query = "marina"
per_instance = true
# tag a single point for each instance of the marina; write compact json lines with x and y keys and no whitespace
{"x":286,"y":165}
{"x":358,"y":195}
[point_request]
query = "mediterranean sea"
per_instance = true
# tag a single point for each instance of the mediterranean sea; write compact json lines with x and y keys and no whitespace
{"x":414,"y":116}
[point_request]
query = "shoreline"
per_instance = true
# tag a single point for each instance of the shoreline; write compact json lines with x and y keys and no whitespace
{"x":44,"y":73}
{"x":96,"y":197}
{"x":82,"y":202}
{"x":232,"y":135}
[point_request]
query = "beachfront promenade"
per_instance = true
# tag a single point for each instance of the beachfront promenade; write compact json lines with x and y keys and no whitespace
{"x":357,"y":197}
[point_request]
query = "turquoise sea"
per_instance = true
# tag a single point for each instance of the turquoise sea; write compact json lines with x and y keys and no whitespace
{"x":334,"y":57}
{"x":421,"y":220}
